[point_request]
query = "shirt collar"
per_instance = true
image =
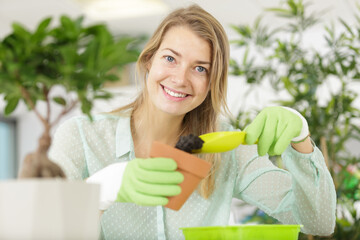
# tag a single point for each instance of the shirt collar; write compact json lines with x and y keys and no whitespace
{"x":123,"y":137}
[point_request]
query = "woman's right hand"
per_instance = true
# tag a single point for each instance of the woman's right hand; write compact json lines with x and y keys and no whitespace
{"x":150,"y":181}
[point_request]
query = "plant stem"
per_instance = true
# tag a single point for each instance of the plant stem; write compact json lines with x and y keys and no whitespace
{"x":44,"y":140}
{"x":64,"y":111}
{"x":46,"y":94}
{"x":324,"y":150}
{"x":28,"y":100}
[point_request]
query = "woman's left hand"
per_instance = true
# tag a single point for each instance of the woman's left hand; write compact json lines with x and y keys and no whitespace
{"x":275,"y":128}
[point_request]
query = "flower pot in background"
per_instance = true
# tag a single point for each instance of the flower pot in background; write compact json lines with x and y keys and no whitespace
{"x":49,"y":209}
{"x":193,"y":168}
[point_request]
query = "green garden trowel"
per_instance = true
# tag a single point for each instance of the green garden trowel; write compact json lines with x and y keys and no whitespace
{"x":216,"y":142}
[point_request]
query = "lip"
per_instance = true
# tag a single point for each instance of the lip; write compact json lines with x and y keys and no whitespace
{"x":175,"y":99}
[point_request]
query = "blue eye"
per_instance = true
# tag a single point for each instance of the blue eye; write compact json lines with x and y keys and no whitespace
{"x":169,"y":58}
{"x":200,"y":69}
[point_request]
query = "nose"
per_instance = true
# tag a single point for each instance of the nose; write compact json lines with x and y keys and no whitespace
{"x":181,"y":76}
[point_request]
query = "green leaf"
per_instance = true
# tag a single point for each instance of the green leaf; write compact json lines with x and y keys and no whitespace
{"x":11,"y":105}
{"x":294,"y":7}
{"x":78,"y":22}
{"x":245,"y":56}
{"x":86,"y":106}
{"x":40,"y":32}
{"x":43,"y":25}
{"x":69,"y":28}
{"x":60,"y":100}
{"x":278,"y":10}
{"x":244,"y":30}
{"x":20,"y":31}
{"x":103,"y":95}
{"x":111,"y":77}
{"x":66,"y":22}
{"x":347,"y":27}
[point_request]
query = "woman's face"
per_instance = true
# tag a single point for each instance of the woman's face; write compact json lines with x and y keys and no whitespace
{"x":178,"y":78}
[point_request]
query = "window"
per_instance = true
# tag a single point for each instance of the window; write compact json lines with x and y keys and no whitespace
{"x":8,"y":166}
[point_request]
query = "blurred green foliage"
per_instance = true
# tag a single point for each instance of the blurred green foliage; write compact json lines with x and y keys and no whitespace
{"x":70,"y":55}
{"x":281,"y":56}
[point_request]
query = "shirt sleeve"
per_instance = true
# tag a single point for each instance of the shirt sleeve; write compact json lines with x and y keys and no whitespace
{"x":67,"y":150}
{"x":303,"y":194}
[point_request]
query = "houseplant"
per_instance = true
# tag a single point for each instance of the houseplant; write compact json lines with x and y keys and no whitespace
{"x":34,"y":65}
{"x":319,"y":82}
{"x":72,"y":56}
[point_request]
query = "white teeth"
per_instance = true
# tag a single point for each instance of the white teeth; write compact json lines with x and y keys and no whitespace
{"x":179,"y":95}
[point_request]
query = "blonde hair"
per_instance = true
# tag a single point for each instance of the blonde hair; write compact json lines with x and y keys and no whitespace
{"x":202,"y":119}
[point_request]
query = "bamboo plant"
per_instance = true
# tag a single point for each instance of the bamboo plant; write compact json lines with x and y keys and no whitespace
{"x":71,"y":56}
{"x":280,"y":56}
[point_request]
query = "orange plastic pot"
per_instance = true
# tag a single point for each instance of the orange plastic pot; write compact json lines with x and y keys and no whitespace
{"x":193,"y":168}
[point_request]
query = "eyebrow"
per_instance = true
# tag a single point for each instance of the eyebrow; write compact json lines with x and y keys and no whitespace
{"x":178,"y":54}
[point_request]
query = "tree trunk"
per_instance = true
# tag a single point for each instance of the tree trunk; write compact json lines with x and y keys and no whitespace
{"x":37,"y":164}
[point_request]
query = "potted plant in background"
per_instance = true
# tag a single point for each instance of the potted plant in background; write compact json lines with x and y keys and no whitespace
{"x":308,"y":75}
{"x":33,"y":67}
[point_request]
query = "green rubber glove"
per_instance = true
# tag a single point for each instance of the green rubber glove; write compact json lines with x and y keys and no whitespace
{"x":274,"y":128}
{"x":150,"y":181}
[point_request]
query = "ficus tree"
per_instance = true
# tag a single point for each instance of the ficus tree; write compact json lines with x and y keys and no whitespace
{"x":76,"y":58}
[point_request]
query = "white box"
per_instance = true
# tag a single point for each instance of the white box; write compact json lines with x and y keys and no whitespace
{"x":49,"y":209}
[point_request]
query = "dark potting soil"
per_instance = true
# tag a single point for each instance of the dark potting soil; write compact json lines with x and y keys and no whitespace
{"x":189,"y":143}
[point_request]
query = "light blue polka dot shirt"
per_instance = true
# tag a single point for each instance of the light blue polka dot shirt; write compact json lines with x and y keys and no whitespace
{"x":303,"y":194}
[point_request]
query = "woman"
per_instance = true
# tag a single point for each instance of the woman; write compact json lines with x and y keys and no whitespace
{"x":184,"y":71}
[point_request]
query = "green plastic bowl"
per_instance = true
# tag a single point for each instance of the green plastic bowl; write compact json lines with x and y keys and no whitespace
{"x":243,"y":232}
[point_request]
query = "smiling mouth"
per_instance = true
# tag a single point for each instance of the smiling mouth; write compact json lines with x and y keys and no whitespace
{"x":174,"y":94}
